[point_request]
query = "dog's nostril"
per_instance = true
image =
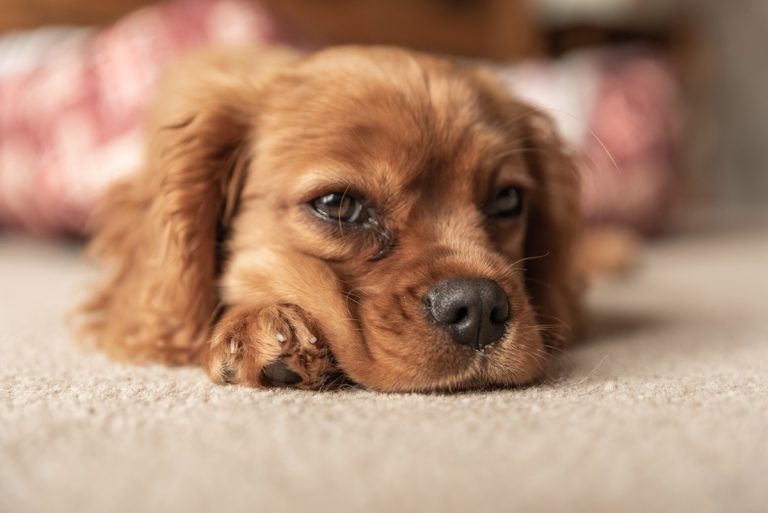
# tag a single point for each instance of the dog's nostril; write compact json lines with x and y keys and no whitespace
{"x":499,"y":315}
{"x":460,"y":315}
{"x":473,"y":311}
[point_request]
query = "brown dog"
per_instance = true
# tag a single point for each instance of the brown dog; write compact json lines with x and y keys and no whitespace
{"x":390,"y":216}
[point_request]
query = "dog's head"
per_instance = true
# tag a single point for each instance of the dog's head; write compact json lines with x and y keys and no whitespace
{"x":419,"y":214}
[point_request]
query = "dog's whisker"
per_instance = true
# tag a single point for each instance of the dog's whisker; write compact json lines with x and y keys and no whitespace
{"x":528,"y":258}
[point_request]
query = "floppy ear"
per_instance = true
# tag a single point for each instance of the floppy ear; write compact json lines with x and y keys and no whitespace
{"x":160,"y":230}
{"x":553,"y":231}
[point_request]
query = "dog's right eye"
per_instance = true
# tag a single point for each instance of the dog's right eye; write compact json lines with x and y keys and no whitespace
{"x":338,"y":206}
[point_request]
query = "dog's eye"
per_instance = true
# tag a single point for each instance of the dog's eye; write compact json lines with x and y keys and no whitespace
{"x":339,"y":206}
{"x":508,"y":202}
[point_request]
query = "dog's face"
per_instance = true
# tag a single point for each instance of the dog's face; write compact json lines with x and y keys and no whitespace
{"x":412,"y":182}
{"x":421,"y":217}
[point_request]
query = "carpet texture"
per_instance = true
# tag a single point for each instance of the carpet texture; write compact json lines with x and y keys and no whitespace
{"x":665,"y":408}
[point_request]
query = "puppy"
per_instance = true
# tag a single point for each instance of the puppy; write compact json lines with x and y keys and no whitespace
{"x":373,"y":214}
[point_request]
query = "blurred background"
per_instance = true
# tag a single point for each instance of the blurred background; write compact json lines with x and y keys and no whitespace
{"x":662,"y":100}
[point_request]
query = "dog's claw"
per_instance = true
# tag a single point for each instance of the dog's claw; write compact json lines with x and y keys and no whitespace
{"x":280,"y":337}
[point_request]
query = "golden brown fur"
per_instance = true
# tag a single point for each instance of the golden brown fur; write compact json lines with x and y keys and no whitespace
{"x":215,"y":259}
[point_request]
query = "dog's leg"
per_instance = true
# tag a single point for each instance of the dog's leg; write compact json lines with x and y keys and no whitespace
{"x":273,"y":346}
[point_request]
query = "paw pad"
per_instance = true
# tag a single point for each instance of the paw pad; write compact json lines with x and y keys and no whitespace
{"x":278,"y":374}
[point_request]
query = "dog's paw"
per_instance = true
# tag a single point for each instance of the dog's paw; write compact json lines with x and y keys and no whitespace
{"x":274,"y":346}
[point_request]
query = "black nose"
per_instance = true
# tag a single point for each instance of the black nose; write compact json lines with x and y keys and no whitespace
{"x":472,"y":310}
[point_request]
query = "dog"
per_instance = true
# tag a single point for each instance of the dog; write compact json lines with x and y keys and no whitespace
{"x":365,"y":214}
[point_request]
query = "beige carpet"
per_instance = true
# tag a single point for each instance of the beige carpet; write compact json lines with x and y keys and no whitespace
{"x":666,"y":409}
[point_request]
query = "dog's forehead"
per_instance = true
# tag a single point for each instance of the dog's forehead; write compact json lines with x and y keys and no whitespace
{"x":403,"y":123}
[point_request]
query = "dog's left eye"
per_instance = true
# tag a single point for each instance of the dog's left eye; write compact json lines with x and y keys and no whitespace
{"x":338,"y":206}
{"x":507,"y":203}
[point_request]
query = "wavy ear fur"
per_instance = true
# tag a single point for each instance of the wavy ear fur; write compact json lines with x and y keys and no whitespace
{"x":159,"y":230}
{"x":553,"y":232}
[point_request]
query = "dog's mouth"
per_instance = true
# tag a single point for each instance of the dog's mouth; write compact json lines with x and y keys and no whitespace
{"x":505,"y":364}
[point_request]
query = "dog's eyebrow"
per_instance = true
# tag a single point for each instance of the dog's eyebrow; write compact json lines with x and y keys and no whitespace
{"x":523,"y":181}
{"x":314,"y":184}
{"x":374,"y":186}
{"x":519,"y":174}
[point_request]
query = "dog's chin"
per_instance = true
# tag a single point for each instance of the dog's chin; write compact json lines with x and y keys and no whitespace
{"x":513,"y":362}
{"x":486,"y":372}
